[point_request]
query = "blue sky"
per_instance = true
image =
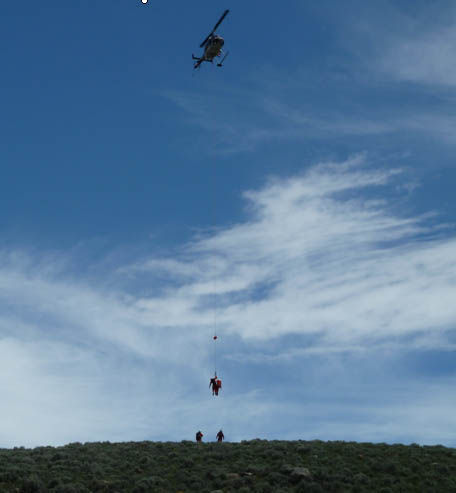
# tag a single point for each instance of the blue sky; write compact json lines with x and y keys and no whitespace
{"x":303,"y":195}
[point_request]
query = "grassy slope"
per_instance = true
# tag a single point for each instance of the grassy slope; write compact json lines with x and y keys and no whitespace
{"x":257,"y":465}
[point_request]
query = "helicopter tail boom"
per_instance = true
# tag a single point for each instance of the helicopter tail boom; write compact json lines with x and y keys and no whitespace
{"x":198,"y":62}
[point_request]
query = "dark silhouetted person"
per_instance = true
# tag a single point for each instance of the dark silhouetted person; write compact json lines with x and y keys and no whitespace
{"x":213,"y":384}
{"x":199,"y":436}
{"x":220,"y":436}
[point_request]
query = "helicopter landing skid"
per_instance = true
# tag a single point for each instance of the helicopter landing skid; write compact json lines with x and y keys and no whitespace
{"x":223,"y":59}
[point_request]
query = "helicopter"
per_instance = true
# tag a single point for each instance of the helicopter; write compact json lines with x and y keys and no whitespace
{"x":212,"y":46}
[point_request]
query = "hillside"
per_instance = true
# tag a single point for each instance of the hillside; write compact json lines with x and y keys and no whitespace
{"x":256,"y":465}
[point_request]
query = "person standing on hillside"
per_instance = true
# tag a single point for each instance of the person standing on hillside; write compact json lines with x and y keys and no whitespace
{"x":220,"y":436}
{"x":199,"y":436}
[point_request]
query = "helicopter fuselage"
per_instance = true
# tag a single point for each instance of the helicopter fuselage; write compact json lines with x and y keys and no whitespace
{"x":213,"y":48}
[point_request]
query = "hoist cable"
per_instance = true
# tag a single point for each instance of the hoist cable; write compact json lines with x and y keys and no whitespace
{"x":214,"y":224}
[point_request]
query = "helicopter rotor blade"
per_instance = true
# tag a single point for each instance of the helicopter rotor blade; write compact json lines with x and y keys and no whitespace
{"x":221,"y":19}
{"x":205,"y":41}
{"x":215,"y":27}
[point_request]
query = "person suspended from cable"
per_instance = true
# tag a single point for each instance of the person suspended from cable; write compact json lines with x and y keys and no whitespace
{"x":216,"y":384}
{"x":213,"y":384}
{"x":199,"y":436}
{"x":220,"y":436}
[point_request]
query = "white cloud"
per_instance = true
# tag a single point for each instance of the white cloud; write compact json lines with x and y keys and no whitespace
{"x":425,"y":57}
{"x":344,"y":267}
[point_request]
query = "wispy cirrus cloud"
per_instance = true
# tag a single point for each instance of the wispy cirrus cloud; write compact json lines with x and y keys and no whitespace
{"x":317,"y":255}
{"x":280,"y":121}
{"x":403,"y":42}
{"x":228,"y":134}
{"x":275,"y":119}
{"x":422,"y":56}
